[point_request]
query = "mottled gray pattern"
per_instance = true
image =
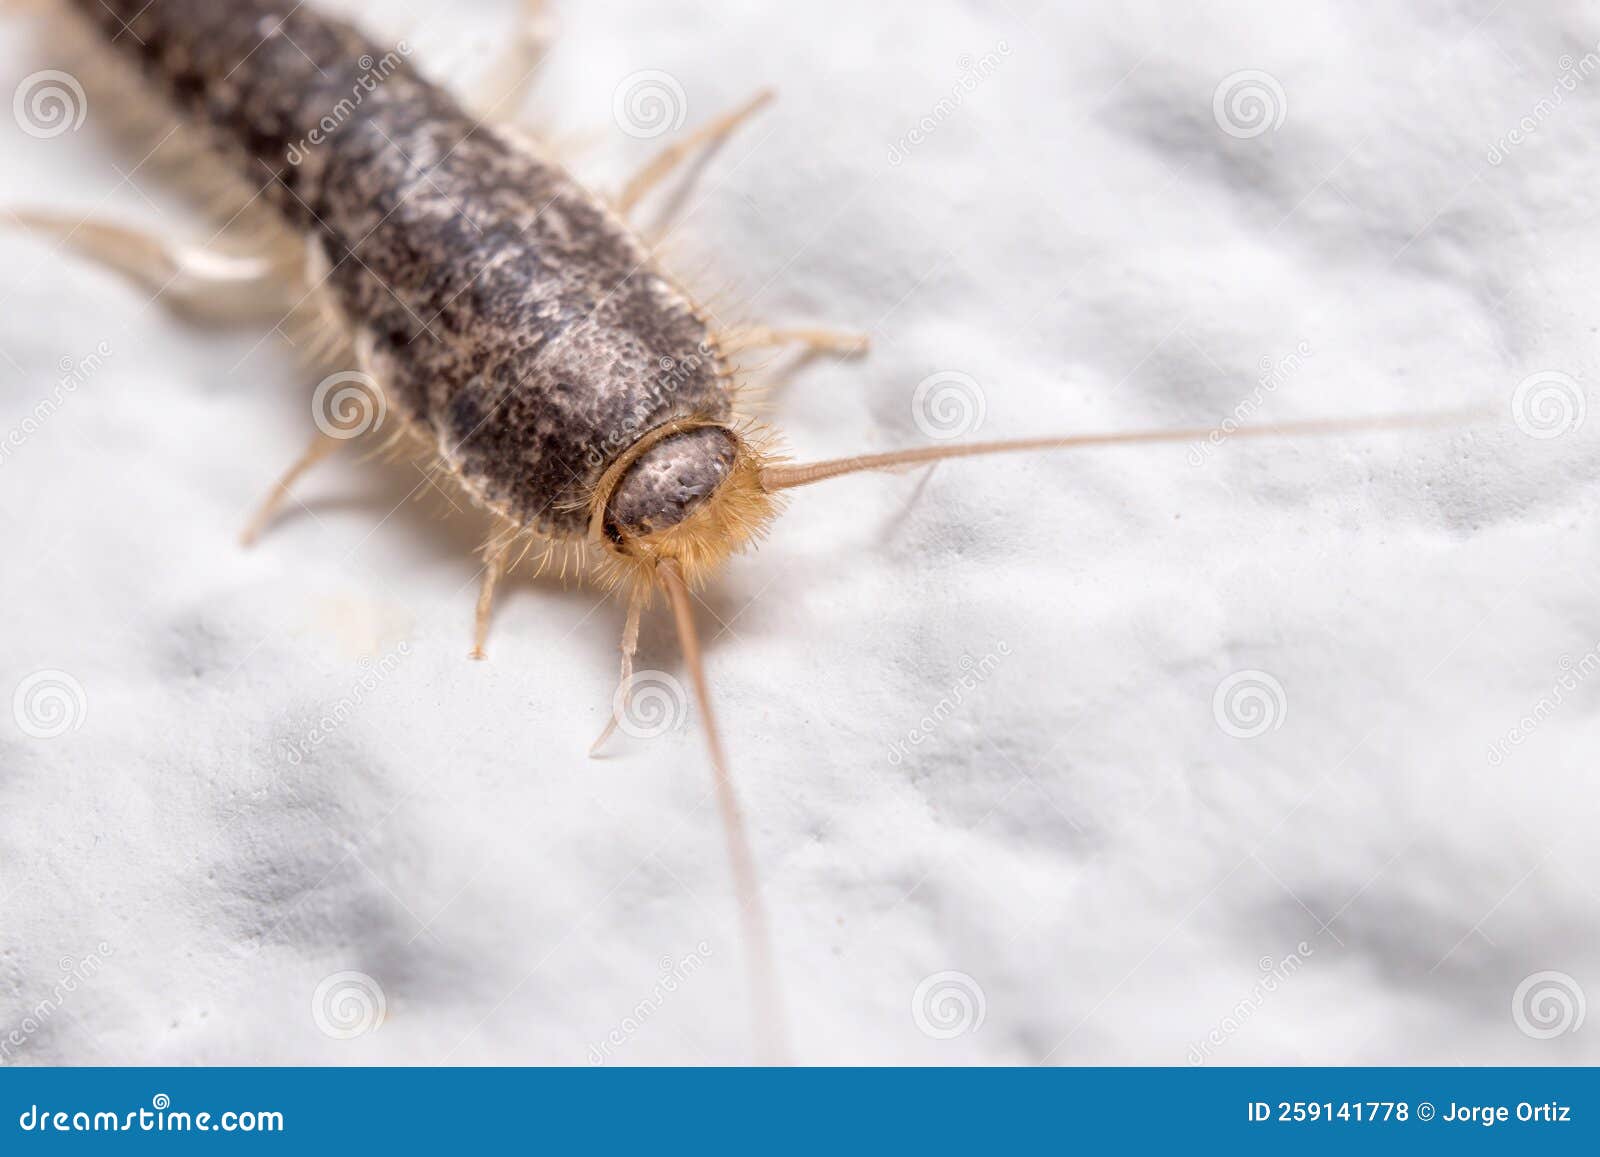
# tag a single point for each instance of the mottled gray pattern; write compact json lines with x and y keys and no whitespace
{"x":509,"y":313}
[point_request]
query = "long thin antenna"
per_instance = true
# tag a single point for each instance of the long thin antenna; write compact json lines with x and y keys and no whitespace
{"x":758,"y":944}
{"x":784,"y":477}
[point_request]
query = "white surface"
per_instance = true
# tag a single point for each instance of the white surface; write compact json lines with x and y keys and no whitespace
{"x":1080,"y":836}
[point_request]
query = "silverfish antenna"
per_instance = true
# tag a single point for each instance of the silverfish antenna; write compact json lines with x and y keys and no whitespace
{"x":757,"y":936}
{"x":784,"y":477}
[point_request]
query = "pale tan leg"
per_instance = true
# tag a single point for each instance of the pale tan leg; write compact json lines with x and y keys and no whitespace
{"x":321,"y":446}
{"x":190,"y":280}
{"x":833,"y":341}
{"x":630,"y":647}
{"x":494,"y":566}
{"x":674,"y":154}
{"x":503,"y":89}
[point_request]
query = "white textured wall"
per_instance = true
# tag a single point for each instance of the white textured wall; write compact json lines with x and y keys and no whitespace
{"x":1079,"y":836}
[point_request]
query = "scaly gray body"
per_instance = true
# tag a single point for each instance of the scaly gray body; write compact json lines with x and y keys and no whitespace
{"x":509,"y":314}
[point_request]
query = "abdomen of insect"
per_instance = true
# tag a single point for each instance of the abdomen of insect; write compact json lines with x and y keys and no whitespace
{"x":511,"y":317}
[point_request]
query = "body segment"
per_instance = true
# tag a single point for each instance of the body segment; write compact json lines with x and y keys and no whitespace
{"x":509,"y":314}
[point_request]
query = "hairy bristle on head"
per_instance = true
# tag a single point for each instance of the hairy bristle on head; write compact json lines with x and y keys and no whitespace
{"x":735,"y":515}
